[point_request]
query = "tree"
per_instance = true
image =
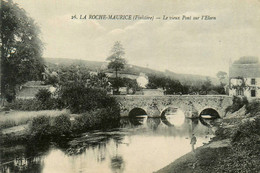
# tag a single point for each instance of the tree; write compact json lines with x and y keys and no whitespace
{"x":222,"y":76}
{"x":206,"y":87}
{"x":117,"y":62}
{"x":21,"y":49}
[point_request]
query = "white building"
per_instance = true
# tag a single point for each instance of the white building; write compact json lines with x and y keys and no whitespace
{"x":244,"y":78}
{"x":142,"y":80}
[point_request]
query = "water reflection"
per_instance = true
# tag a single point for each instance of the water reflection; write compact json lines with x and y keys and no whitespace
{"x":153,"y":123}
{"x":173,"y":117}
{"x":23,"y":158}
{"x":137,"y":116}
{"x":144,"y":148}
{"x":117,"y":164}
{"x":138,"y":120}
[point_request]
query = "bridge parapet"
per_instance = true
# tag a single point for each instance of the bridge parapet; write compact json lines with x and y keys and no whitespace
{"x":191,"y":105}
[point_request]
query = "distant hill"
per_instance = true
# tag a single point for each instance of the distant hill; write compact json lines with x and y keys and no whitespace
{"x":190,"y":78}
{"x":131,"y":69}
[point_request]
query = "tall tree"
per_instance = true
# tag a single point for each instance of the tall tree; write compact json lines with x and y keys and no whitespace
{"x":117,"y":62}
{"x":21,"y":49}
{"x":222,"y":76}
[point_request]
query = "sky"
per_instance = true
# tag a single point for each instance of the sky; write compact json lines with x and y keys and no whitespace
{"x":201,"y":47}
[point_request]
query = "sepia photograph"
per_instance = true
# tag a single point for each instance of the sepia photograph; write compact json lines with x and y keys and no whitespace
{"x":133,"y":86}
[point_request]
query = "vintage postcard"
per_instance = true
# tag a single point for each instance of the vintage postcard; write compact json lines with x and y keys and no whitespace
{"x":114,"y":86}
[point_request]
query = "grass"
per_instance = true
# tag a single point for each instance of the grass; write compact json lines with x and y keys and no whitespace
{"x":16,"y":118}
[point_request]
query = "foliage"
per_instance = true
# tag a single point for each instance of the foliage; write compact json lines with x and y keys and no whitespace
{"x":219,"y":89}
{"x":21,"y":49}
{"x":61,"y":125}
{"x":79,"y":75}
{"x":241,"y":86}
{"x":207,"y":85}
{"x":238,"y":102}
{"x":169,"y":85}
{"x":253,"y":108}
{"x":103,"y":118}
{"x":80,"y":99}
{"x":72,"y":74}
{"x":43,"y":95}
{"x":241,"y":156}
{"x":116,"y":60}
{"x":16,"y":118}
{"x":40,"y":127}
{"x":35,"y":105}
{"x":222,"y":76}
{"x":172,"y":86}
{"x":124,"y":82}
{"x":45,"y":127}
{"x":51,"y":79}
{"x":117,"y":82}
{"x":223,"y":133}
{"x":248,"y":133}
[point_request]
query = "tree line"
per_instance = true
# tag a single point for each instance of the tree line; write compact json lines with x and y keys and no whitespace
{"x":22,"y":61}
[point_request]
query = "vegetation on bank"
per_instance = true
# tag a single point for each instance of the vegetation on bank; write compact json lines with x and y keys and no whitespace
{"x":241,"y":156}
{"x":94,"y":109}
{"x":238,"y":103}
{"x":46,"y":128}
{"x":17,"y":118}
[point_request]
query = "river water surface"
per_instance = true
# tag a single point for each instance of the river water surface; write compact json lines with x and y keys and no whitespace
{"x":130,"y":149}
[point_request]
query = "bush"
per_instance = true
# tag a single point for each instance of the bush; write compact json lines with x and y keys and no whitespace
{"x":43,"y":95}
{"x":223,"y":133}
{"x":40,"y":127}
{"x":35,"y":105}
{"x":80,"y":99}
{"x":253,"y":108}
{"x":238,"y":103}
{"x":248,"y":132}
{"x":45,"y":127}
{"x":103,"y":118}
{"x":61,"y":125}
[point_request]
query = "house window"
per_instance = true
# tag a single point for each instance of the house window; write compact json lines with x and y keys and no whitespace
{"x":253,"y":81}
{"x":253,"y":93}
{"x":240,"y":92}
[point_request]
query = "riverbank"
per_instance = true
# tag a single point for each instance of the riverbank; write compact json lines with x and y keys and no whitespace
{"x":12,"y":119}
{"x":19,"y":127}
{"x":234,"y":149}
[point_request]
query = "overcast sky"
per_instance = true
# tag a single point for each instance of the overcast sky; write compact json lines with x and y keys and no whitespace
{"x":194,"y":47}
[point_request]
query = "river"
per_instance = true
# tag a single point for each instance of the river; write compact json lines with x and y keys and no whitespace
{"x":140,"y":145}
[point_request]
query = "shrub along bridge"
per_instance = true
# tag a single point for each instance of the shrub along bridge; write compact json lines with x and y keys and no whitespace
{"x":192,"y":105}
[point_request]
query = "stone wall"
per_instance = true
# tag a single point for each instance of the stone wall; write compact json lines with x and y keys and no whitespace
{"x":191,"y":105}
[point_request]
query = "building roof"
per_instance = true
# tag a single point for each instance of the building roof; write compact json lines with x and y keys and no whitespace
{"x":30,"y":89}
{"x":244,"y":70}
{"x":33,"y":83}
{"x":29,"y":92}
{"x":245,"y":67}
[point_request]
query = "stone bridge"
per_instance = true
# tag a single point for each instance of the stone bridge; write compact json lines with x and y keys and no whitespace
{"x":191,"y":105}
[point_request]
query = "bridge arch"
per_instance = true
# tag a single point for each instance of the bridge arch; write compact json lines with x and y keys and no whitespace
{"x":209,"y":115}
{"x":137,"y":116}
{"x":174,"y":120}
{"x":210,"y":111}
{"x":137,"y":112}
